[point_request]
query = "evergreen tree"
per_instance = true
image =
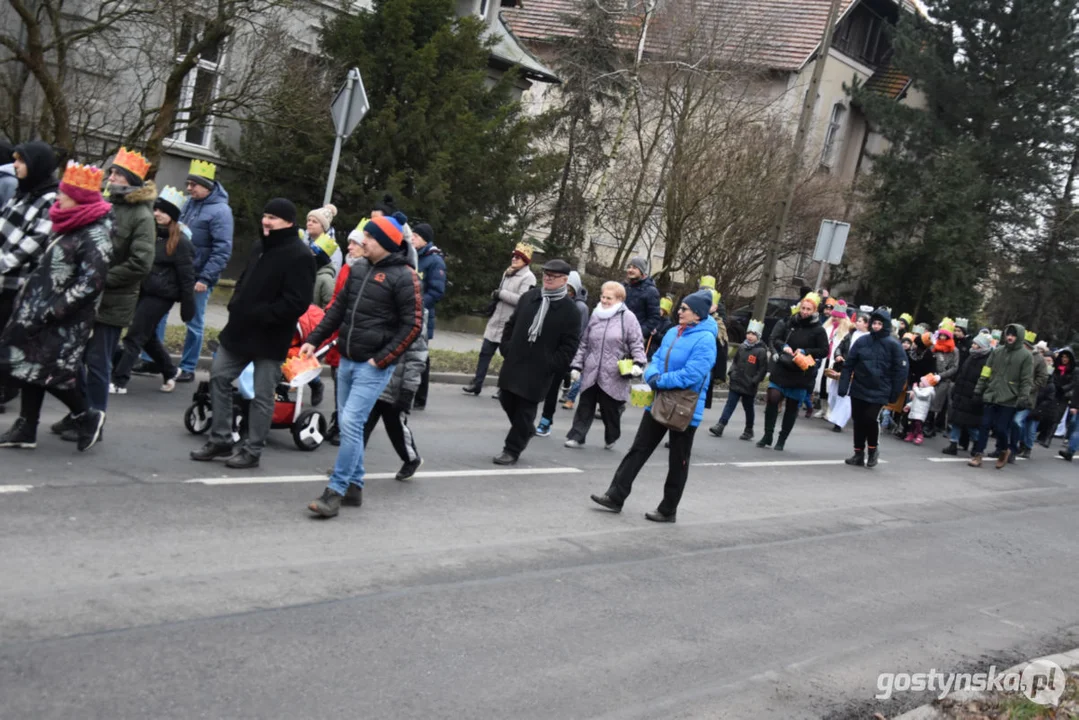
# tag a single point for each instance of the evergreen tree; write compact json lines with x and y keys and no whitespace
{"x":452,"y":147}
{"x":963,"y":177}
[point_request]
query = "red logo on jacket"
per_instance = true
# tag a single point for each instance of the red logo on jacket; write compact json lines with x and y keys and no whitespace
{"x":752,"y":359}
{"x":380,"y":277}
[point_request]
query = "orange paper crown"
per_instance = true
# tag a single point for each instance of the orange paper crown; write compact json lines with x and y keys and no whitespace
{"x":133,"y":162}
{"x":84,"y":177}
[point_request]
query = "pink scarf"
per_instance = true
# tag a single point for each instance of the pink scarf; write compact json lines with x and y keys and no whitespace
{"x":65,"y":220}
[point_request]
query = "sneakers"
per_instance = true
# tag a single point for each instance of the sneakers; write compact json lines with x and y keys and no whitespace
{"x":717,"y":429}
{"x":819,"y":414}
{"x":328,"y":505}
{"x":211,"y":451}
{"x":610,"y":446}
{"x":353,"y":496}
{"x":857,"y":459}
{"x":185,"y":376}
{"x":746,"y":435}
{"x":544,"y":428}
{"x":572,"y":444}
{"x":21,"y":435}
{"x":145,"y":368}
{"x":117,"y":390}
{"x":61,"y":427}
{"x":317,"y":392}
{"x":170,"y":383}
{"x":89,"y":425}
{"x":408,"y":469}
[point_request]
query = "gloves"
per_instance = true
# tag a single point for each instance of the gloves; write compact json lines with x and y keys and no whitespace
{"x":404,"y":400}
{"x":574,"y":375}
{"x":653,"y":383}
{"x":494,"y":294}
{"x":638,"y":371}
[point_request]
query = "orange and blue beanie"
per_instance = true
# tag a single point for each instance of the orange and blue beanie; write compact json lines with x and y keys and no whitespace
{"x":387,"y":232}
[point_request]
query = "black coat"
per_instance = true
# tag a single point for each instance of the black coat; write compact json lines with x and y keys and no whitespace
{"x":379,"y":312}
{"x":528,"y":368}
{"x":642,"y":299}
{"x":964,"y":346}
{"x":922,"y":362}
{"x":966,"y":406}
{"x":749,"y":368}
{"x":800,"y":333}
{"x":875,"y":367}
{"x":172,"y":277}
{"x":274,"y":291}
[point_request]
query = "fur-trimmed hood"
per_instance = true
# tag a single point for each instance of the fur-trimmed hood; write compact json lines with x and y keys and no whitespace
{"x":145,"y":194}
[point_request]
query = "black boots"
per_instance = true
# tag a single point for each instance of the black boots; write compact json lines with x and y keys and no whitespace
{"x":857,"y":459}
{"x":718,"y":428}
{"x":952,"y":449}
{"x":327,"y":506}
{"x":747,"y":434}
{"x":782,"y":441}
{"x":871,"y":458}
{"x":21,"y":435}
{"x":771,"y":413}
{"x":472,"y":388}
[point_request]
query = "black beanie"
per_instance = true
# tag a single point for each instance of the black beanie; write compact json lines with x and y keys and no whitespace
{"x":425,"y":231}
{"x":168,"y":208}
{"x":282,"y":208}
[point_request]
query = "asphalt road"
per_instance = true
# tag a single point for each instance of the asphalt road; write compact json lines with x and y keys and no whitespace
{"x":129,"y":591}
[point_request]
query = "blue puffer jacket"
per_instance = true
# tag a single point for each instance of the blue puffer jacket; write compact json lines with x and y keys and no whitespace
{"x":210,"y":222}
{"x":432,"y":270}
{"x":875,"y":370}
{"x":692,"y":355}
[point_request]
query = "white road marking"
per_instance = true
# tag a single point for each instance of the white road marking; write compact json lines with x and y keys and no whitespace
{"x":256,"y":480}
{"x":15,"y":488}
{"x":949,"y":459}
{"x":791,"y":463}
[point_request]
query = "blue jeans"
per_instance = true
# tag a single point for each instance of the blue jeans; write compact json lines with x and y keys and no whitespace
{"x":957,"y":434}
{"x":1073,"y":438}
{"x":996,"y":421}
{"x":1024,"y":430}
{"x":733,"y":399}
{"x":95,"y":373}
{"x":574,"y":391}
{"x":358,"y":387}
{"x":193,"y":339}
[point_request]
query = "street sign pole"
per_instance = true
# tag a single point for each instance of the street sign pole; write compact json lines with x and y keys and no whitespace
{"x":348,"y":109}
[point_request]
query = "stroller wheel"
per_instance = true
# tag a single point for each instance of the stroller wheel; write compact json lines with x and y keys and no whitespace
{"x":309,"y":430}
{"x":198,"y":418}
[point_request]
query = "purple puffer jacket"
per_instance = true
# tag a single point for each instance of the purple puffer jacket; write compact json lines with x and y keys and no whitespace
{"x":603,"y":344}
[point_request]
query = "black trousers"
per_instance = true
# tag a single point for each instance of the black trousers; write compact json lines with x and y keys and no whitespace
{"x":866,"y":426}
{"x":33,"y":397}
{"x":551,"y":401}
{"x":649,"y":434}
{"x":487,"y":353}
{"x":142,"y":335}
{"x":396,"y":423}
{"x":420,"y":400}
{"x":522,"y":417}
{"x":610,"y":411}
{"x":9,"y":387}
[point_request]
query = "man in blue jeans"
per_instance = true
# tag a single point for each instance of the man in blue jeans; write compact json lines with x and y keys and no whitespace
{"x":209,"y":218}
{"x":373,"y":335}
{"x":1004,"y":386}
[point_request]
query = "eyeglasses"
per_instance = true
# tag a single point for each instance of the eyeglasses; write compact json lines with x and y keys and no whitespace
{"x":553,"y":274}
{"x":684,"y":308}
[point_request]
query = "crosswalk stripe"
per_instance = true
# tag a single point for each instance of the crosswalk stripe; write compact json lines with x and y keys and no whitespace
{"x":258,"y":480}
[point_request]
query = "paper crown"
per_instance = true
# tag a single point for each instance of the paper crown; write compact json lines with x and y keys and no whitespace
{"x":756,"y":327}
{"x":907,"y":318}
{"x":203,"y":169}
{"x":947,"y":324}
{"x":995,"y":334}
{"x":866,"y":309}
{"x":813,"y":298}
{"x":708,"y":281}
{"x":1031,"y":336}
{"x":172,"y":196}
{"x":715,"y":296}
{"x":133,"y":162}
{"x":962,"y":323}
{"x":84,"y":177}
{"x":525,"y":251}
{"x":666,"y":304}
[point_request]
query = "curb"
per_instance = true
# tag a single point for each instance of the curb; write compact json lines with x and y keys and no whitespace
{"x":1066,"y":661}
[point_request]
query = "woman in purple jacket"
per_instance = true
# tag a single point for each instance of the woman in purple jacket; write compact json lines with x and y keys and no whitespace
{"x":613,"y":334}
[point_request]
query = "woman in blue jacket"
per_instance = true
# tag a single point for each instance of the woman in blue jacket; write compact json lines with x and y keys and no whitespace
{"x":874,"y":373}
{"x":683,"y":361}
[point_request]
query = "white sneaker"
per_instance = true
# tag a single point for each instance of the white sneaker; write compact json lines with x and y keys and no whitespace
{"x":819,"y":414}
{"x":170,"y":384}
{"x":113,"y":390}
{"x":609,"y":446}
{"x":572,"y":444}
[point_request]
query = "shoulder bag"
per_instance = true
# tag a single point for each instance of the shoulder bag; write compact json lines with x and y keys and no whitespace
{"x":674,"y":409}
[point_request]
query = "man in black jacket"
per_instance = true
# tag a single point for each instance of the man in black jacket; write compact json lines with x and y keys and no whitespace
{"x":377,"y":315}
{"x":273,"y":292}
{"x":538,"y":343}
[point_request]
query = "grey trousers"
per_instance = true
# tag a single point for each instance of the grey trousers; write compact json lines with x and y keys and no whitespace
{"x":226,"y":368}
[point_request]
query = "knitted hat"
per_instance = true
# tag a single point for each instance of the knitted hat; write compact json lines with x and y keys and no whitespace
{"x":170,"y":201}
{"x":386,"y":206}
{"x":840,"y":310}
{"x":132,"y":165}
{"x":281,"y":208}
{"x":983,"y":341}
{"x":202,"y":173}
{"x":699,"y":302}
{"x":387,"y":232}
{"x":909,"y":337}
{"x":82,"y":183}
{"x":425,"y":231}
{"x":756,"y":327}
{"x":666,"y":304}
{"x":1042,"y":347}
{"x":524,"y":251}
{"x":945,"y":333}
{"x":996,"y":334}
{"x":324,"y":215}
{"x":641,"y":264}
{"x":708,"y":281}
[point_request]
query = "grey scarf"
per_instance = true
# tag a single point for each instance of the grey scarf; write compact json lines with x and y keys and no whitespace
{"x":537,"y":322}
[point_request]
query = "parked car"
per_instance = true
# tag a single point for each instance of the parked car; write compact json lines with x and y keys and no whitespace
{"x":778,"y":308}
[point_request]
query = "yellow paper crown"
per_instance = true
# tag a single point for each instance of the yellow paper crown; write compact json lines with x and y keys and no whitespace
{"x":666,"y":304}
{"x":203,"y":169}
{"x":133,"y":162}
{"x":524,"y":249}
{"x":813,"y":298}
{"x":84,"y":177}
{"x":1031,"y":336}
{"x":947,"y":324}
{"x":708,"y":281}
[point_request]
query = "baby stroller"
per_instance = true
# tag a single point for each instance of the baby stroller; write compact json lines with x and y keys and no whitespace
{"x":309,"y":427}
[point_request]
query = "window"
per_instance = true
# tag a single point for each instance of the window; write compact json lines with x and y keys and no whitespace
{"x":830,"y":151}
{"x":862,"y":36}
{"x":200,"y":86}
{"x":481,"y":10}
